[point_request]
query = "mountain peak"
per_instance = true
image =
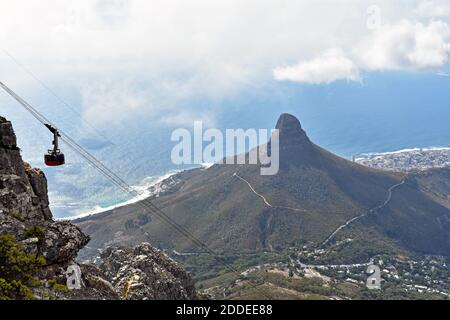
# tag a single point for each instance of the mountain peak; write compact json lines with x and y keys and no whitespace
{"x":287,"y":121}
{"x":290,"y":128}
{"x":295,"y":146}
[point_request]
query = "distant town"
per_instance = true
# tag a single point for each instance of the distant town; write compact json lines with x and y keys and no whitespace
{"x":427,"y":275}
{"x":401,"y":277}
{"x":407,"y":160}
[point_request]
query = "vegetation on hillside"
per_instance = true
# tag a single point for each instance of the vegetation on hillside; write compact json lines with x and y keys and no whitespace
{"x":206,"y":266}
{"x":17,"y":270}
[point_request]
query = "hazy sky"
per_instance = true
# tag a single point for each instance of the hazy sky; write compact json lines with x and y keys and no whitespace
{"x":361,"y":75}
{"x":165,"y":58}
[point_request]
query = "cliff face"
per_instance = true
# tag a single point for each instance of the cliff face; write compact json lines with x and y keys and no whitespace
{"x":144,"y":273}
{"x":24,"y":206}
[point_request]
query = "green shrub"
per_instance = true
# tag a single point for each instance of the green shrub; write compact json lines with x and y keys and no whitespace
{"x":35,"y":232}
{"x":17,"y":269}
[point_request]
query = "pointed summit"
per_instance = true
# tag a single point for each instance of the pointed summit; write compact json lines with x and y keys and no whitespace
{"x":287,"y":121}
{"x":290,"y":128}
{"x":295,"y":146}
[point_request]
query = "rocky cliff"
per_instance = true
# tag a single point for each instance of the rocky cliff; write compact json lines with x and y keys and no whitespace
{"x":145,"y":273}
{"x":27,"y":228}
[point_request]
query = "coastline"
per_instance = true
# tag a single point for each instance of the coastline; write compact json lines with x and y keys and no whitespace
{"x":407,"y":150}
{"x":144,"y":190}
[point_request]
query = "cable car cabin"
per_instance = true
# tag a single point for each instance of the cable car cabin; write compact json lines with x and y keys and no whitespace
{"x":53,"y":159}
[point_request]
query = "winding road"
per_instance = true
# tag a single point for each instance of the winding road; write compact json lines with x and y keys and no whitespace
{"x":370,"y":211}
{"x":266,"y":202}
{"x":346,"y":224}
{"x":266,"y":240}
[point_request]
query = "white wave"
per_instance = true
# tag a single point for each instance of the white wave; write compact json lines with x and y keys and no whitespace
{"x":147,"y":188}
{"x":207,"y":165}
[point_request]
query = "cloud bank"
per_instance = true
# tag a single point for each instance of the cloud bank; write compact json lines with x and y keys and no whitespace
{"x":405,"y":45}
{"x":146,"y":58}
{"x":329,"y":67}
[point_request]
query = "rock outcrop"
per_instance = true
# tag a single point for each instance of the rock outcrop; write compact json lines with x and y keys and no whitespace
{"x":139,"y":273}
{"x":145,"y":273}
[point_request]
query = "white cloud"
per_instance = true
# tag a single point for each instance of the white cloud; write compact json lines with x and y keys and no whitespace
{"x":186,"y":119}
{"x":433,"y":9}
{"x":112,"y":102}
{"x":172,"y":53}
{"x":333,"y":65}
{"x":406,"y":45}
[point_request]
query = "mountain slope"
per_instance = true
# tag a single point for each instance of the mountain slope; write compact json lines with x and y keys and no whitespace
{"x":314,"y":195}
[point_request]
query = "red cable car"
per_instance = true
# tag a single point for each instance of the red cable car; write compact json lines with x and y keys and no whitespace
{"x":54,"y":157}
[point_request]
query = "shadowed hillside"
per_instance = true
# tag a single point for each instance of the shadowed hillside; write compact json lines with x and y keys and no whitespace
{"x":316,"y":198}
